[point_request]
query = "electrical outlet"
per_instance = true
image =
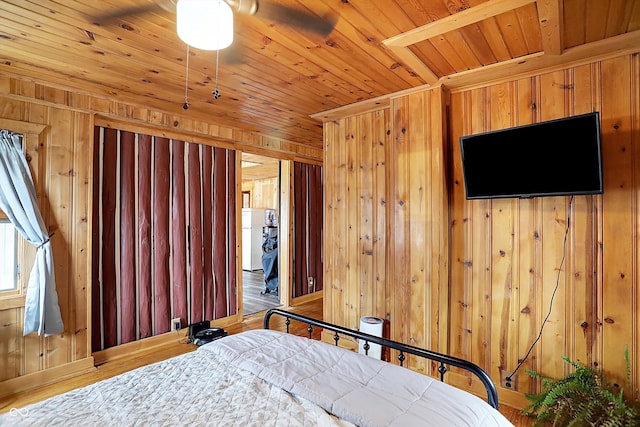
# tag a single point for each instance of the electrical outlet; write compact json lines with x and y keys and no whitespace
{"x":511,"y":382}
{"x":176,"y":324}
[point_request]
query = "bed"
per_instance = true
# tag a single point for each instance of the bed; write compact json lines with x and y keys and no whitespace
{"x":271,"y":378}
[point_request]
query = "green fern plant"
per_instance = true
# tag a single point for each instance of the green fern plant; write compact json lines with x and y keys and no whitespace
{"x":584,"y":397}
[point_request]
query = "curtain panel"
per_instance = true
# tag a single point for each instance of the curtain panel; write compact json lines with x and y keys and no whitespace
{"x":164,"y":235}
{"x":18,"y":200}
{"x":307,"y":226}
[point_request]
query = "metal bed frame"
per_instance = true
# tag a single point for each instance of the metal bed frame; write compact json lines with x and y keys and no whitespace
{"x":403,"y":349}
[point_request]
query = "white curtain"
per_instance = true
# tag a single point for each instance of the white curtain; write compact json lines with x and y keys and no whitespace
{"x":18,"y":200}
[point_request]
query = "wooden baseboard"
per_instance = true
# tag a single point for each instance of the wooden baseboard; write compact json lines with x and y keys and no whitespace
{"x":507,"y":397}
{"x":137,"y":347}
{"x":46,"y":377}
{"x":513,"y":399}
{"x":144,"y":345}
{"x":307,"y":298}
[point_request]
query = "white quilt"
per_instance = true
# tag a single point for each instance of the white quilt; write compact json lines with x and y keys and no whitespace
{"x":354,"y":387}
{"x":194,"y":389}
{"x":263,"y":378}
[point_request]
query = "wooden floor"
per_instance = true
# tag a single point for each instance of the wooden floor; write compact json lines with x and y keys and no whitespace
{"x":110,"y":369}
{"x":252,"y":300}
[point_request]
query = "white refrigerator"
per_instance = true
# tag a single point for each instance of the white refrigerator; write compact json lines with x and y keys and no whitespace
{"x":252,"y":223}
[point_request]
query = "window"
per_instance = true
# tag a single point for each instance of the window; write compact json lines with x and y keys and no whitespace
{"x":8,"y":264}
{"x":15,"y":251}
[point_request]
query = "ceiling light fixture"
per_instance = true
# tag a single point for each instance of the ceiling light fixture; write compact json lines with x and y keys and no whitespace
{"x":205,"y":24}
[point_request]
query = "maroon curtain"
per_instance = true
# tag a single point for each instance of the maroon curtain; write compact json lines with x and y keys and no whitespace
{"x":307,"y":226}
{"x":164,"y":235}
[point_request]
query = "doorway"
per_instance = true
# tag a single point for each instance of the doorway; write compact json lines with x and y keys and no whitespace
{"x":260,"y":177}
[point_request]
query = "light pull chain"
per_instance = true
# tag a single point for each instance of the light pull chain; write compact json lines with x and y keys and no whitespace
{"x":216,"y":92}
{"x":186,"y":84}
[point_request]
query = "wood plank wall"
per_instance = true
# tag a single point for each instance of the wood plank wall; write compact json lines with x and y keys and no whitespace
{"x":386,"y":248}
{"x":356,"y":196}
{"x":502,"y":260}
{"x":264,"y":193}
{"x":60,"y":162}
{"x":176,"y":228}
{"x":512,"y":249}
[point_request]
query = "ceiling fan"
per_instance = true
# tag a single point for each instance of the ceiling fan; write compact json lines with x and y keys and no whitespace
{"x":197,"y":17}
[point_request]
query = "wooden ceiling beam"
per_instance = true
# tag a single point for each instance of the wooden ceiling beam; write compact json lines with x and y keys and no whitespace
{"x":399,"y":45}
{"x":551,"y":30}
{"x":410,"y":59}
{"x":456,"y":21}
{"x":624,"y":44}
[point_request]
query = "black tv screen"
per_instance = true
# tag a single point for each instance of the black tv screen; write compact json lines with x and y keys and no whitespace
{"x":552,"y":158}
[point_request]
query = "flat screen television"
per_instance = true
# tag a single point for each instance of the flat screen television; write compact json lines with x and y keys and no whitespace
{"x":552,"y":158}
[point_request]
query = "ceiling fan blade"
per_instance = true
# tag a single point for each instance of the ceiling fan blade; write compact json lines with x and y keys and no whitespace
{"x":297,"y":18}
{"x":166,"y":5}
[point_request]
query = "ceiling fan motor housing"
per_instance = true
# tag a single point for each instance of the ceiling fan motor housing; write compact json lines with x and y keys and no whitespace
{"x":248,"y":7}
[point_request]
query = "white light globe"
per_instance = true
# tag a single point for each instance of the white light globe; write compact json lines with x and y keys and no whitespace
{"x":205,"y":24}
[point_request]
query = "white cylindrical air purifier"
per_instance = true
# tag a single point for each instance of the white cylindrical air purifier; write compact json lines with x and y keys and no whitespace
{"x":373,"y":326}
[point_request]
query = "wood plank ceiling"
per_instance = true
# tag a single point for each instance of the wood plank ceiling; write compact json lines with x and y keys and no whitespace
{"x":276,"y":79}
